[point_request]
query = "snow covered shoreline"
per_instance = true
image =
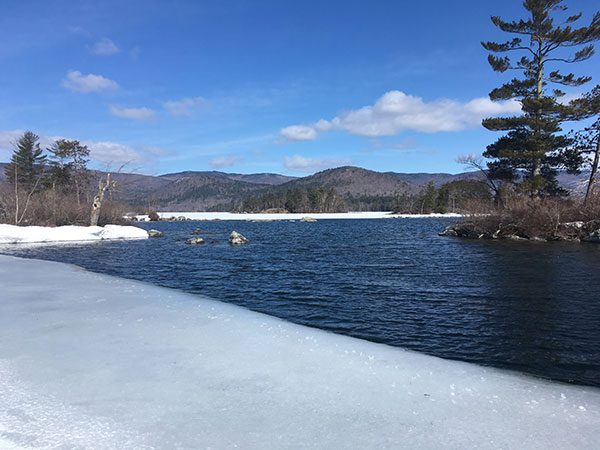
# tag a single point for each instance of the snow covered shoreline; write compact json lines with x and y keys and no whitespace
{"x":93,"y":361}
{"x":293,"y":216}
{"x":12,"y":234}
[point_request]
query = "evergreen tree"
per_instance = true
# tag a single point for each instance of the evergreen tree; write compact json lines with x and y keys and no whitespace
{"x":428,"y":199}
{"x":532,"y":151}
{"x":456,"y":195}
{"x":68,"y":166}
{"x":27,"y":164}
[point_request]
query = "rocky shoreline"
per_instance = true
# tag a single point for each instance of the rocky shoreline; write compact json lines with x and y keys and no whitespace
{"x":486,"y":229}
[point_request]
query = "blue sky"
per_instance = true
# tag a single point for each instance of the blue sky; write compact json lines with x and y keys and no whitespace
{"x":260,"y":86}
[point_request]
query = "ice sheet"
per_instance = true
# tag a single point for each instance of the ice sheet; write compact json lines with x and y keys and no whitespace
{"x":92,"y":361}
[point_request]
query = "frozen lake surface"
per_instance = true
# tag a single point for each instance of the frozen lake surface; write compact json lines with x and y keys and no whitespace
{"x":92,"y":361}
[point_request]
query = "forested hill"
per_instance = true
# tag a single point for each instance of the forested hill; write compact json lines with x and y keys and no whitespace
{"x":359,"y":188}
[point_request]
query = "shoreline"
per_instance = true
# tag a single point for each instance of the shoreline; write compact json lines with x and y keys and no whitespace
{"x":204,"y":216}
{"x":215,"y":374}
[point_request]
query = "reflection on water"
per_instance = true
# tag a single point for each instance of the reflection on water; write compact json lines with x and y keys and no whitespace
{"x":525,"y":306}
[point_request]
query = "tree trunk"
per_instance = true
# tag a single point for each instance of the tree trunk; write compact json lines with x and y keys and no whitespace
{"x":16,"y":196}
{"x":78,"y":193}
{"x":537,"y":169}
{"x":592,"y":180}
{"x":98,"y":199}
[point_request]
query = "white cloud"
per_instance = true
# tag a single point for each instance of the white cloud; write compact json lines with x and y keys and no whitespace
{"x":184,"y":107}
{"x":8,"y":139}
{"x":102,"y":152}
{"x":77,"y":82}
{"x":142,"y":113}
{"x":221,"y":162}
{"x":104,"y":47}
{"x":113,"y":153}
{"x":299,"y":133}
{"x":396,"y":111}
{"x":299,"y":163}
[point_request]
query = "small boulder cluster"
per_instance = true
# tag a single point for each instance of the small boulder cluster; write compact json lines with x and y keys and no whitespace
{"x":235,"y":238}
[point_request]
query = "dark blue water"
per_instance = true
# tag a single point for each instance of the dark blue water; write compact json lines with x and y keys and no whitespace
{"x":523,"y":306}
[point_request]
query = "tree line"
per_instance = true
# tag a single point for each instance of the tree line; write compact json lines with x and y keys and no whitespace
{"x":455,"y":196}
{"x":51,"y":186}
{"x":297,"y":200}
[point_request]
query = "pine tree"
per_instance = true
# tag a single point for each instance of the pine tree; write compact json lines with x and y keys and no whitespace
{"x":68,"y":166}
{"x":27,"y":164}
{"x":532,"y":151}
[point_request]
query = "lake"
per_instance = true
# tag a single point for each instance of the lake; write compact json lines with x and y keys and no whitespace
{"x":531,"y":307}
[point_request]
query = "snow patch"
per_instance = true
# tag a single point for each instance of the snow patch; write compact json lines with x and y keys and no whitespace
{"x":12,"y":234}
{"x":293,"y":216}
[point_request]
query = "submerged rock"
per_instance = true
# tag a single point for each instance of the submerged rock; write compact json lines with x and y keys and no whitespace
{"x":155,"y":233}
{"x":308,"y":219}
{"x":537,"y":239}
{"x":195,"y":240}
{"x":197,"y":231}
{"x":236,"y":238}
{"x":469,"y":230}
{"x":594,"y":237}
{"x":514,"y":237}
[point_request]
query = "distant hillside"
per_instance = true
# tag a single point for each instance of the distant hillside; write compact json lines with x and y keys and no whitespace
{"x":355,"y":181}
{"x":212,"y":190}
{"x":272,"y":179}
{"x":195,"y":191}
{"x":218,"y":190}
{"x":357,"y":189}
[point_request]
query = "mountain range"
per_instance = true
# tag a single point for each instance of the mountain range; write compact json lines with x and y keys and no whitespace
{"x":211,"y":190}
{"x":199,"y":191}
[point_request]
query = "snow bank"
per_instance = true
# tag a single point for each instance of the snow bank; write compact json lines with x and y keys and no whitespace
{"x":12,"y":234}
{"x":292,"y":216}
{"x":92,"y":361}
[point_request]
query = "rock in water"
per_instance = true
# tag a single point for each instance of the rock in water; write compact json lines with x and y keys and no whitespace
{"x":466,"y":229}
{"x":195,"y":240}
{"x":236,"y":238}
{"x":155,"y":233}
{"x":308,"y":219}
{"x":594,"y":236}
{"x":197,"y":231}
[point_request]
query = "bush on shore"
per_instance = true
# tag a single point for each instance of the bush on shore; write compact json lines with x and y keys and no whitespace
{"x":52,"y":208}
{"x":550,"y":219}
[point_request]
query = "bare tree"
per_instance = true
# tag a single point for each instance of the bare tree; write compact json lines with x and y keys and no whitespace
{"x":477,"y":162}
{"x":104,"y":185}
{"x":588,"y":144}
{"x":587,"y":141}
